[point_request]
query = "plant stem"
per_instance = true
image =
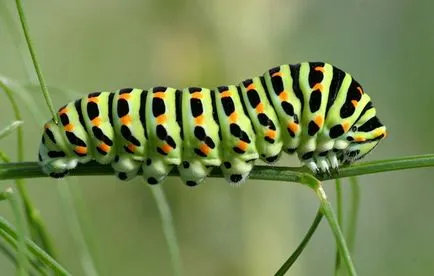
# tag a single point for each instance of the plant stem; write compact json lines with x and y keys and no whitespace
{"x":291,"y":260}
{"x":34,"y":59}
{"x":339,"y":214}
{"x":168,"y":229}
{"x":337,"y":232}
{"x":355,"y":203}
{"x":288,"y":174}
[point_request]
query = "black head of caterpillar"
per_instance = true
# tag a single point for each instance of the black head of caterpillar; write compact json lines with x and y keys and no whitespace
{"x":313,"y":109}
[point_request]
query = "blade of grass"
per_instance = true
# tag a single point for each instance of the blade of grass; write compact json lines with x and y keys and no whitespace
{"x":354,"y":211}
{"x":168,"y":229}
{"x":291,"y":260}
{"x":8,"y":232}
{"x":339,"y":215}
{"x":30,"y":44}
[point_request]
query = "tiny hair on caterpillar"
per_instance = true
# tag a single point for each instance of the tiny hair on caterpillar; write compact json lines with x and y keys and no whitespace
{"x":312,"y":109}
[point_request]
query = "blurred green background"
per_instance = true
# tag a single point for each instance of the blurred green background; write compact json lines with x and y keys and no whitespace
{"x":105,"y":45}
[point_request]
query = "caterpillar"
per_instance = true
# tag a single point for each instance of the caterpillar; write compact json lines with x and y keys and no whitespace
{"x":313,"y":109}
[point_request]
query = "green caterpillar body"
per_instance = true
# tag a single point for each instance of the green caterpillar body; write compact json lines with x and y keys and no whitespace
{"x":313,"y":109}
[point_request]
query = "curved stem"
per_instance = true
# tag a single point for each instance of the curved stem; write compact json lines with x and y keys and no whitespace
{"x":34,"y":59}
{"x":291,"y":260}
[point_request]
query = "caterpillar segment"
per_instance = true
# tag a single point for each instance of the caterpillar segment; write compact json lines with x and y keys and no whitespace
{"x":201,"y":141}
{"x":312,"y":109}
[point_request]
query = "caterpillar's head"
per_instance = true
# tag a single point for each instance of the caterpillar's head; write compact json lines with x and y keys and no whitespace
{"x":364,"y":136}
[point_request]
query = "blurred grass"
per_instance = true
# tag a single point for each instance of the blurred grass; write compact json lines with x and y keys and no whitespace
{"x":88,"y":46}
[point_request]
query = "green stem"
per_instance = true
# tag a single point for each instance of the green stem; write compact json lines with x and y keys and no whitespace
{"x":352,"y":221}
{"x":291,"y":260}
{"x":10,"y":235}
{"x":37,"y":227}
{"x":34,"y":59}
{"x":168,"y":229}
{"x":287,"y":174}
{"x":339,"y":214}
{"x":337,"y":232}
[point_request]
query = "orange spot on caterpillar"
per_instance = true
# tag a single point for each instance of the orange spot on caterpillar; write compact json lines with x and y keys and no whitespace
{"x":125,"y":96}
{"x":354,"y":102}
{"x":233,"y":117}
{"x":131,"y":147}
{"x":225,"y":94}
{"x":260,"y":108}
{"x":251,"y":87}
{"x":80,"y":150}
{"x":359,"y":139}
{"x":243,"y":145}
{"x":346,"y":126}
{"x":46,"y":126}
{"x":93,"y":100}
{"x":197,"y":95}
{"x":126,"y":120}
{"x":160,"y":95}
{"x":283,"y":96}
{"x":96,"y":121}
{"x":204,"y":148}
{"x":69,"y":127}
{"x":318,"y":86}
{"x":199,"y":119}
{"x":293,"y":127}
{"x":104,"y":147}
{"x":360,"y":90}
{"x":161,"y":119}
{"x":319,"y":68}
{"x":319,"y":120}
{"x":166,"y":148}
{"x":271,"y":134}
{"x":277,"y":74}
{"x":63,"y":111}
